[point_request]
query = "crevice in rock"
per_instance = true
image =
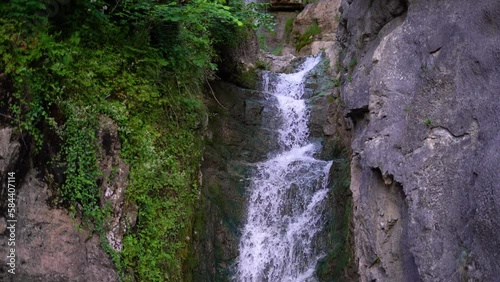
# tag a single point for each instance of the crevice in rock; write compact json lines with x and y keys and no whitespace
{"x":358,"y":113}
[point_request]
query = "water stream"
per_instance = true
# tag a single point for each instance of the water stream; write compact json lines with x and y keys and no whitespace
{"x":287,"y":193}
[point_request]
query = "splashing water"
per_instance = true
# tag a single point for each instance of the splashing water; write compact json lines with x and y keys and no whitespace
{"x":287,"y":194}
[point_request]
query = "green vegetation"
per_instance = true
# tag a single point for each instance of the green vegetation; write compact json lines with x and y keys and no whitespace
{"x":289,"y":28}
{"x":142,"y":63}
{"x":352,"y":64}
{"x":428,"y":122}
{"x":308,"y":36}
{"x":277,"y":50}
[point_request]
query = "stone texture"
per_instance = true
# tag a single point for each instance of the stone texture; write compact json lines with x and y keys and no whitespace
{"x":423,"y":100}
{"x":280,"y":37}
{"x":325,"y":13}
{"x":279,"y":63}
{"x":48,"y":245}
{"x":114,"y":182}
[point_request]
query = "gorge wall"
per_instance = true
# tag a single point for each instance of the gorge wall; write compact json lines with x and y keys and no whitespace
{"x":423,"y":99}
{"x":240,"y":134}
{"x":406,"y":104}
{"x":49,"y":246}
{"x":418,"y":87}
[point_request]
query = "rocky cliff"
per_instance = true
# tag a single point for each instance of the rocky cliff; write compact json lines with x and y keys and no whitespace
{"x":414,"y":97}
{"x":48,"y":244}
{"x":51,"y":243}
{"x":421,"y":87}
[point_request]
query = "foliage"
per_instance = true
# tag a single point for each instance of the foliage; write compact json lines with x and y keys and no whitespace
{"x":261,"y":37}
{"x":78,"y":134}
{"x":428,"y":122}
{"x":288,"y":28}
{"x":277,"y":50}
{"x":352,"y":64}
{"x":261,"y":19}
{"x":142,"y":63}
{"x":308,"y":36}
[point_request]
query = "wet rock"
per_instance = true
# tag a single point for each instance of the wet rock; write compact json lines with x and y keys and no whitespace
{"x":279,"y":64}
{"x":239,"y":133}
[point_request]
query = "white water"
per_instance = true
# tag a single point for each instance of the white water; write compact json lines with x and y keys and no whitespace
{"x":287,"y":194}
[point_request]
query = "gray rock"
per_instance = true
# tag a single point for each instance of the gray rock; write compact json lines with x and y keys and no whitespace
{"x":426,"y":138}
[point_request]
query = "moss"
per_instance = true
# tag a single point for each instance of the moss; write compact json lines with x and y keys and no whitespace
{"x":248,"y":78}
{"x":338,"y":265}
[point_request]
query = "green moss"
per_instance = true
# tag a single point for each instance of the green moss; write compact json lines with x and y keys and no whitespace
{"x":338,"y":264}
{"x":261,"y":39}
{"x":428,"y":122}
{"x":248,"y":79}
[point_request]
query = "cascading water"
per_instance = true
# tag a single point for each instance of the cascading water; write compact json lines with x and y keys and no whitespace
{"x":287,"y":193}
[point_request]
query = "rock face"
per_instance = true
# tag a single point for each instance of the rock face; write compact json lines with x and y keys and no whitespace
{"x":325,"y":14}
{"x":422,"y":94}
{"x":114,"y":183}
{"x":242,"y":131}
{"x":48,"y":245}
{"x":237,"y":136}
{"x":297,"y":26}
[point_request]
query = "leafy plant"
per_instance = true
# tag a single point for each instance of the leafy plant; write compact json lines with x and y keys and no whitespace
{"x":142,"y":63}
{"x":352,"y":64}
{"x":428,"y":122}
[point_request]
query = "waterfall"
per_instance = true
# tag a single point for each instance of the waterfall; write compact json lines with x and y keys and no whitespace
{"x":287,"y":193}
